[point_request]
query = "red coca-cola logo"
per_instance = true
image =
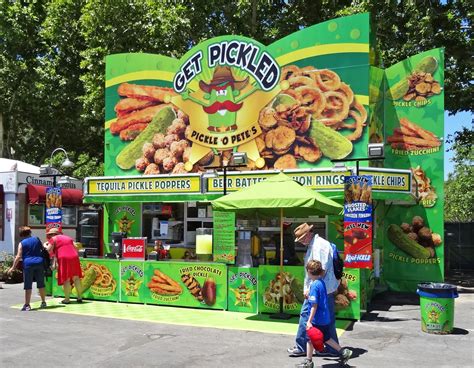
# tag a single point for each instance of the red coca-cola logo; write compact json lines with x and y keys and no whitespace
{"x":133,"y":248}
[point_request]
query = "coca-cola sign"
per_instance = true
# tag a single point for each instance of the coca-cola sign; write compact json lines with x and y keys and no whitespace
{"x":133,"y":248}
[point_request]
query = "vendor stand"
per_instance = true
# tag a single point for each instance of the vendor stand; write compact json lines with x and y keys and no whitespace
{"x":295,"y":106}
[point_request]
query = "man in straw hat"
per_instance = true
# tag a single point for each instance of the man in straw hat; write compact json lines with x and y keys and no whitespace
{"x":318,"y":249}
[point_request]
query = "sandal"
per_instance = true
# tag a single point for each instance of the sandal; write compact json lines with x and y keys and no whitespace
{"x":64,"y":301}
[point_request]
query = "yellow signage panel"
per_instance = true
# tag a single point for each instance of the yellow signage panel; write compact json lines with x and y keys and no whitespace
{"x":320,"y":180}
{"x":392,"y":181}
{"x":144,"y":185}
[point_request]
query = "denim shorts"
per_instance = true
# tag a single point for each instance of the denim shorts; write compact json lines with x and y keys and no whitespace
{"x":36,"y":272}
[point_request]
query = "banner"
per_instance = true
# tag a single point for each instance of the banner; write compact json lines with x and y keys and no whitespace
{"x":297,"y":103}
{"x":54,"y":213}
{"x":243,"y":289}
{"x":358,"y":221}
{"x":271,"y":286}
{"x":224,"y":237}
{"x":132,"y":281}
{"x":414,"y":125}
{"x":186,"y":284}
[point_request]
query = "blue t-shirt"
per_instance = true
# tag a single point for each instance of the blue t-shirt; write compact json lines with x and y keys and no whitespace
{"x":318,"y":295}
{"x":31,"y":252}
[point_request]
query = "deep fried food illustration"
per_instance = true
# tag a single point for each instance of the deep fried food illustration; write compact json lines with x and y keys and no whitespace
{"x":104,"y":283}
{"x":193,"y":286}
{"x":137,"y":117}
{"x":281,"y":286}
{"x":162,"y":284}
{"x":150,"y":93}
{"x":411,"y":137}
{"x":313,"y":95}
{"x":127,"y":105}
{"x":426,"y":193}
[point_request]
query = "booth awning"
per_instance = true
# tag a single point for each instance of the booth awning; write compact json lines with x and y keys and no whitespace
{"x":37,"y":194}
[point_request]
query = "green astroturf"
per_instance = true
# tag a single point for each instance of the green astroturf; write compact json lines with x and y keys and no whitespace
{"x":180,"y":316}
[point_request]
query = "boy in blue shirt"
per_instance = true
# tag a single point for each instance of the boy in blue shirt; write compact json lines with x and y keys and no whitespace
{"x":319,"y":314}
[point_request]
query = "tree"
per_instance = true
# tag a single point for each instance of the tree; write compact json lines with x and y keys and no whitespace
{"x":459,"y":188}
{"x":52,"y":53}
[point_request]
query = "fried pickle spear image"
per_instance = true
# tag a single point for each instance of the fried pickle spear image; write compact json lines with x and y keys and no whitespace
{"x":193,"y":286}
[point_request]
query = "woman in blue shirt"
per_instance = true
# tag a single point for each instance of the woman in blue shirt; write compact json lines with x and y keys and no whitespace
{"x":30,"y":251}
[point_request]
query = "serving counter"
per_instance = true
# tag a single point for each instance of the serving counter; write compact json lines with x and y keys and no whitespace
{"x":213,"y":286}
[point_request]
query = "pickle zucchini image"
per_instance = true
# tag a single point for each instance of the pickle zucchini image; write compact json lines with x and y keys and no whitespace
{"x":331,"y":143}
{"x":127,"y":157}
{"x":405,"y":243}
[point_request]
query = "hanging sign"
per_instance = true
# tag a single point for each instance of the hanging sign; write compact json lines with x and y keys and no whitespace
{"x":53,"y":208}
{"x":358,"y":221}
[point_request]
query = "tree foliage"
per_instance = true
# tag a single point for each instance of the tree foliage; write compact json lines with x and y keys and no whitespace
{"x":52,"y":53}
{"x":459,"y":188}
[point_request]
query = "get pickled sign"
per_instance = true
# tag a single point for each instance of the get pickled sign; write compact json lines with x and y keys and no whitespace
{"x":297,"y":103}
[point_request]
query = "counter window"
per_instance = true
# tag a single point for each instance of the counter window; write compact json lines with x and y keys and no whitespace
{"x":36,"y":214}
{"x":69,"y":216}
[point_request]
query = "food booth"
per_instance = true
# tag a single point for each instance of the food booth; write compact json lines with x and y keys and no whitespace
{"x":300,"y":105}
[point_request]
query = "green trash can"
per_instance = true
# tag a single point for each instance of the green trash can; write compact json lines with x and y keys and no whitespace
{"x":437,"y":307}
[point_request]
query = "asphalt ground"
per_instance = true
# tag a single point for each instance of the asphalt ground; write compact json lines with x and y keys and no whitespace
{"x":389,"y":335}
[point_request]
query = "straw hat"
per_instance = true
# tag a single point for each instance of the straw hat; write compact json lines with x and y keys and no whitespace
{"x":301,"y":231}
{"x":53,"y":231}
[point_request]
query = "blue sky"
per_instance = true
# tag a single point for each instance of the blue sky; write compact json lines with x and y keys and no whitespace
{"x":452,"y":124}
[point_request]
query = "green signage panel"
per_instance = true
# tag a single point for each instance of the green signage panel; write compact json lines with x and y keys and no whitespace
{"x":186,"y":284}
{"x":414,"y":128}
{"x":297,"y":103}
{"x":243,"y":289}
{"x":132,"y":281}
{"x":272,"y":286}
{"x":100,"y":282}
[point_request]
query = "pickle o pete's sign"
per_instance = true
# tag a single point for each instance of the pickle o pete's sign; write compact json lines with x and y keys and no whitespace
{"x":133,"y":248}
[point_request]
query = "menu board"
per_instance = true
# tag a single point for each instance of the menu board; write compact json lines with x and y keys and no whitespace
{"x":224,"y":237}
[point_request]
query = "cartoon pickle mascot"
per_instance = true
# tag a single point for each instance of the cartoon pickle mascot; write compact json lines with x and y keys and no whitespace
{"x":223,"y":100}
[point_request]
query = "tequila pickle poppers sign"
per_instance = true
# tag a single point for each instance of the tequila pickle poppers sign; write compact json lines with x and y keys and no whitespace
{"x":297,"y":103}
{"x":358,"y":221}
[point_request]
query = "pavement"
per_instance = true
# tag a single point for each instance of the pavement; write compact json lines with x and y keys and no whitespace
{"x":389,"y":335}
